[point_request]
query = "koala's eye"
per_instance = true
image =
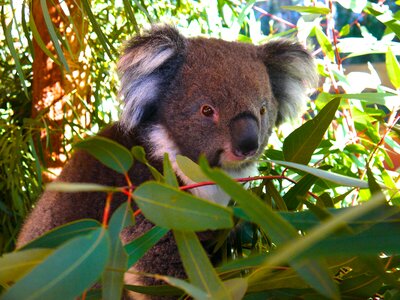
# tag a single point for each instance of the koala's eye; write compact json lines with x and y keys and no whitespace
{"x":263,"y":110}
{"x":207,"y":110}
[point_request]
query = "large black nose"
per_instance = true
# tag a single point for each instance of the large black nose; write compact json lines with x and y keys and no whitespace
{"x":244,"y":134}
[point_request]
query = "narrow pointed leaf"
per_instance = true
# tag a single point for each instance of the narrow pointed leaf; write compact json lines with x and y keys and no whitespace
{"x":169,"y":173}
{"x":16,"y":264}
{"x":393,"y":68}
{"x":308,"y":9}
{"x":198,"y":267}
{"x":53,"y":34}
{"x":280,"y":231}
{"x":108,"y":152}
{"x":61,"y":234}
{"x":74,"y":187}
{"x":175,"y":209}
{"x":113,"y":277}
{"x":299,"y":146}
{"x":191,"y":169}
{"x":139,"y":246}
{"x":68,"y":271}
{"x":325,"y":44}
{"x":333,"y":177}
{"x":15,"y":56}
{"x":237,"y":287}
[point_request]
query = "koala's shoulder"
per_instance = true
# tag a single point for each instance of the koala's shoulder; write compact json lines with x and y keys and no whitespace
{"x":83,"y":167}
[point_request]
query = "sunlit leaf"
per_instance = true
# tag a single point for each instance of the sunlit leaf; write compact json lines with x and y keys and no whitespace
{"x":325,"y":44}
{"x":308,"y":9}
{"x":333,"y":177}
{"x":53,"y":34}
{"x":393,"y":68}
{"x":299,"y":146}
{"x":355,"y":5}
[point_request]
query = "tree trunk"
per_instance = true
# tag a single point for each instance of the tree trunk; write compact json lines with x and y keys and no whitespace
{"x":54,"y":91}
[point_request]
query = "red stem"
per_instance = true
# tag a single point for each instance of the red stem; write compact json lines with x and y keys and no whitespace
{"x":107,"y":209}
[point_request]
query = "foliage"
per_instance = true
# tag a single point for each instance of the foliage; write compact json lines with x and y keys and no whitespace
{"x":322,"y":220}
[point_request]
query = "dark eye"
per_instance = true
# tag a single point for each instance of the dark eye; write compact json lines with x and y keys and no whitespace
{"x":207,"y":110}
{"x":263,"y":110}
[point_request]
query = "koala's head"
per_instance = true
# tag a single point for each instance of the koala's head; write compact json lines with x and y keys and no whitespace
{"x":212,"y":97}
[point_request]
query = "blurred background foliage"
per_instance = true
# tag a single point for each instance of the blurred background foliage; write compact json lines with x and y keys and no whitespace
{"x":58,"y":84}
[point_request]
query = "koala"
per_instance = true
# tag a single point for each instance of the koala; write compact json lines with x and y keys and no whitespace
{"x":186,"y":96}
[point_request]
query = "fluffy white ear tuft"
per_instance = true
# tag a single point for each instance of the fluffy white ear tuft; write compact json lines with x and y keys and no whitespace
{"x":149,"y":62}
{"x":292,"y":72}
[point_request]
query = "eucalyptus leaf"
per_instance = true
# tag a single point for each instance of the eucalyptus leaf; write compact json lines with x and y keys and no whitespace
{"x":299,"y":146}
{"x":175,"y":209}
{"x":198,"y":267}
{"x":108,"y":152}
{"x":113,"y":277}
{"x":16,"y":264}
{"x":393,"y":68}
{"x":68,"y":271}
{"x":308,"y":9}
{"x":139,"y":246}
{"x":61,"y":234}
{"x":280,"y":231}
{"x":333,"y":177}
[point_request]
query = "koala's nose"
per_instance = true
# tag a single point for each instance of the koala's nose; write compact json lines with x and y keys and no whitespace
{"x":244,"y":133}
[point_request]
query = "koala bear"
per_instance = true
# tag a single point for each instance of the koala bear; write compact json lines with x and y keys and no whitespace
{"x":186,"y":96}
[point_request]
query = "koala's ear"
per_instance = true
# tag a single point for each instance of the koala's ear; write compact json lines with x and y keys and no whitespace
{"x":146,"y":67}
{"x":292,"y":71}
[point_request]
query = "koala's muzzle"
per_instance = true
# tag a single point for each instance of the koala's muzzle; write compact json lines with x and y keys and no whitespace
{"x":244,"y":135}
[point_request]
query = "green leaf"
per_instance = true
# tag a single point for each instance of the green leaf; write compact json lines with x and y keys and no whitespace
{"x":174,"y":209}
{"x":308,"y":9}
{"x":169,"y":173}
{"x":16,"y":264}
{"x":299,"y":146}
{"x":139,"y":154}
{"x":333,"y":177}
{"x":113,"y":277}
{"x":386,"y":99}
{"x":63,"y":233}
{"x":68,"y":271}
{"x":108,"y":152}
{"x":139,"y":246}
{"x":191,"y":169}
{"x":53,"y":34}
{"x":14,"y":54}
{"x":237,"y":287}
{"x":393,"y":68}
{"x":325,"y":44}
{"x":276,"y":227}
{"x":159,"y":290}
{"x":97,"y":29}
{"x":75,"y":187}
{"x":298,"y":191}
{"x":198,"y":267}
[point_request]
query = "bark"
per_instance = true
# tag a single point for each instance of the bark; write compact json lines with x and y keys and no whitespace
{"x":53,"y":88}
